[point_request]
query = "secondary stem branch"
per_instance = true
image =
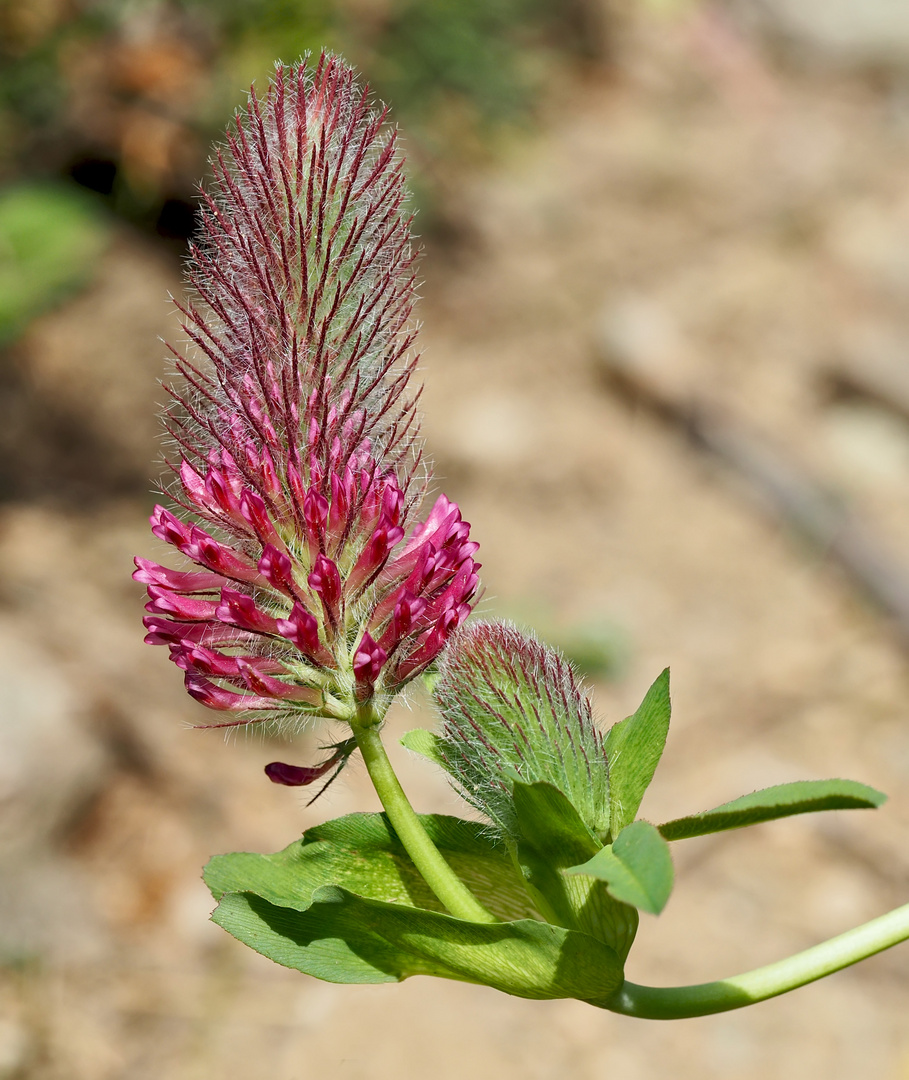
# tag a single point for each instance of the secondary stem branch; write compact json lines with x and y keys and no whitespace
{"x":439,"y":876}
{"x":679,"y":1002}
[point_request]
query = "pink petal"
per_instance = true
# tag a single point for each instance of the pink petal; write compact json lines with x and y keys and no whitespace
{"x":185,"y":608}
{"x":150,"y":573}
{"x":239,"y":610}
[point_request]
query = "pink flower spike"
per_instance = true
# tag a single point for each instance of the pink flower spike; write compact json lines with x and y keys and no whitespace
{"x":302,"y":631}
{"x":298,"y":467}
{"x":150,"y":573}
{"x":239,"y":610}
{"x":367,"y":665}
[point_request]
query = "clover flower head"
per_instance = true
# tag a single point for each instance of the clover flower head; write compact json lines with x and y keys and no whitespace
{"x":298,"y":471}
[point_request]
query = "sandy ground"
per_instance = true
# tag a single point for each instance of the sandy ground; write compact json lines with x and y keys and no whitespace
{"x":752,"y":227}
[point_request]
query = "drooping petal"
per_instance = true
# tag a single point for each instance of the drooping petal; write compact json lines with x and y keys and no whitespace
{"x":237,"y":609}
{"x":150,"y":573}
{"x":183,"y":608}
{"x":217,"y":697}
{"x":266,"y":686}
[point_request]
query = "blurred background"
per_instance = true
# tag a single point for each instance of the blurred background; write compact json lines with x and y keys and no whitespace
{"x":666,"y":345}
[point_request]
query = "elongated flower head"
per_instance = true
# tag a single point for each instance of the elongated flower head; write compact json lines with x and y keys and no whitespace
{"x":511,"y":705}
{"x":298,"y":471}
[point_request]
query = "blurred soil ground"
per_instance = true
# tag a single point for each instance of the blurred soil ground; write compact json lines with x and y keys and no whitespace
{"x":753,"y":225}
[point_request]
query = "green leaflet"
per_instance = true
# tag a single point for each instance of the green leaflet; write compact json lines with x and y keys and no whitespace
{"x":636,"y":867}
{"x":552,"y":838}
{"x":783,"y":800}
{"x":346,"y":938}
{"x":634,"y":747}
{"x":360,"y":852}
{"x":425,"y":743}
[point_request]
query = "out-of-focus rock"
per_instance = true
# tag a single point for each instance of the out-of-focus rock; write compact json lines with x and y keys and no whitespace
{"x":15,"y":1048}
{"x":496,"y":428}
{"x":641,"y":342}
{"x":48,"y":763}
{"x":49,"y":766}
{"x":849,"y":32}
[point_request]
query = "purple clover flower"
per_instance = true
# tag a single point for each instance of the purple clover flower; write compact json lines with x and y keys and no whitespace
{"x":298,"y":471}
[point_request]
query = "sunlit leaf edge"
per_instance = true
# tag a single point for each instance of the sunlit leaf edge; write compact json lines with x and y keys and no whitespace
{"x":769,"y":804}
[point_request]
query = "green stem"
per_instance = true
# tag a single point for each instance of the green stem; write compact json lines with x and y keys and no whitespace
{"x":679,"y":1002}
{"x":439,"y":876}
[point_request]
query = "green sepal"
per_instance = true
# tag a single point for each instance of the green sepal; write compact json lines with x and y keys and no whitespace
{"x":636,"y":867}
{"x":350,"y":939}
{"x":361,"y":852}
{"x":552,"y":838}
{"x":634,"y":747}
{"x":783,"y":800}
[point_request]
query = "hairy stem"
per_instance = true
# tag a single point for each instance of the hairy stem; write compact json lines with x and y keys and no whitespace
{"x":679,"y":1002}
{"x":439,"y":876}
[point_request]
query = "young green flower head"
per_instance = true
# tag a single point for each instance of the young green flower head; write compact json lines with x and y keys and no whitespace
{"x":514,"y":707}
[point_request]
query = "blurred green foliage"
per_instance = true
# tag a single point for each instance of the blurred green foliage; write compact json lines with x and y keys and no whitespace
{"x":600,"y":647}
{"x":485,"y":59}
{"x":50,"y":237}
{"x":126,"y":96}
{"x":486,"y":54}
